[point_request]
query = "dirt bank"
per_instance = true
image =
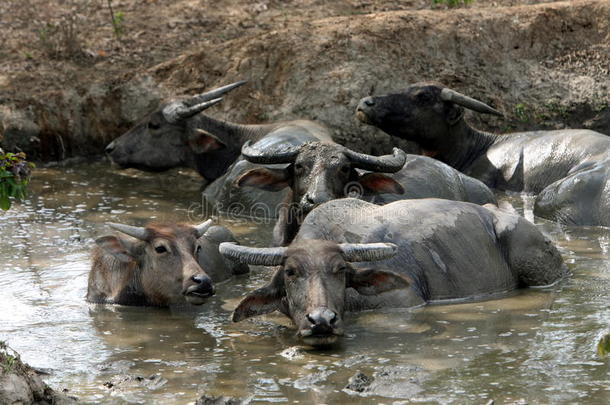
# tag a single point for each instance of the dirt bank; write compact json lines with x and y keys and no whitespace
{"x":545,"y":65}
{"x":20,"y":384}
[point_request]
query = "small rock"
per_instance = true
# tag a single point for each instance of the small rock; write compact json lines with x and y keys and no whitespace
{"x":293,"y":353}
{"x":359,"y":382}
{"x":220,"y":400}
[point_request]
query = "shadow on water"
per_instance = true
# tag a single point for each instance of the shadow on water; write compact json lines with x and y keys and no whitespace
{"x":536,"y":344}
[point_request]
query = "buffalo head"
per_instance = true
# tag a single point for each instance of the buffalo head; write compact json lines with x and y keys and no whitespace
{"x":424,"y":113}
{"x":157,"y":263}
{"x":319,"y":172}
{"x":310,"y":285}
{"x":170,"y":136}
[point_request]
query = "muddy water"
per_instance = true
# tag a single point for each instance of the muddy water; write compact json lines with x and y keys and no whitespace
{"x":537,"y":344}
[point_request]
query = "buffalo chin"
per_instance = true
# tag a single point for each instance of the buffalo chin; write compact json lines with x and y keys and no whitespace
{"x":195,"y":299}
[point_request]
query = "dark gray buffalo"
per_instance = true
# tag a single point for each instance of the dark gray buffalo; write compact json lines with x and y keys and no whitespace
{"x":418,"y":251}
{"x":177,"y":134}
{"x":432,"y":116}
{"x":159,"y":265}
{"x":319,"y":172}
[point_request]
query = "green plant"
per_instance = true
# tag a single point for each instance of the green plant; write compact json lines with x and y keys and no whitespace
{"x":603,"y":346}
{"x":60,"y":39}
{"x":7,"y":360}
{"x":521,"y":111}
{"x":453,"y":3}
{"x":117,"y":20}
{"x":15,"y":174}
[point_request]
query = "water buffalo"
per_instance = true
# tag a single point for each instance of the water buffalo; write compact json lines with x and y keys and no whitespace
{"x":159,"y":265}
{"x":580,"y":198}
{"x":432,"y":116}
{"x":419,"y":251}
{"x":178,"y":134}
{"x":319,"y":172}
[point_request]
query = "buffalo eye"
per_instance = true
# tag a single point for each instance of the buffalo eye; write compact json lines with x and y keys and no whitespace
{"x":345,"y":169}
{"x":153,"y":125}
{"x":290,"y":271}
{"x":197,"y":250}
{"x":160,"y":249}
{"x":341,"y":269}
{"x":298,"y":168}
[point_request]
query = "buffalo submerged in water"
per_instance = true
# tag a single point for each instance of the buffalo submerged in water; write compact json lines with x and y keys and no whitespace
{"x":351,"y":255}
{"x":569,"y":169}
{"x":159,"y":265}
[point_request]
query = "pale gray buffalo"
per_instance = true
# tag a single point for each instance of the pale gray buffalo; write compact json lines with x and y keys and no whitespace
{"x":318,"y":172}
{"x":351,"y":255}
{"x":178,"y":134}
{"x":431,"y":115}
{"x":160,"y":265}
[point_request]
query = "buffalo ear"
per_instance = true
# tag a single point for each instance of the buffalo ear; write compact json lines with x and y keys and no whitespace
{"x":262,"y":301}
{"x":453,"y":114}
{"x":266,"y":179}
{"x":373,"y":282}
{"x":201,"y":141}
{"x":122,"y":249}
{"x":380,"y":183}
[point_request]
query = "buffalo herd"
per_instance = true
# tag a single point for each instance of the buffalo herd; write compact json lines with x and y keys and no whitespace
{"x":353,"y":231}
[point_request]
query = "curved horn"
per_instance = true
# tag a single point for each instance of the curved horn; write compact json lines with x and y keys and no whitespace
{"x":468,"y":102}
{"x":283,"y":155}
{"x":367,"y":252}
{"x":212,"y":94}
{"x":178,"y":110}
{"x":203,"y":227}
{"x":385,"y":164}
{"x":135,"y":231}
{"x":251,"y":255}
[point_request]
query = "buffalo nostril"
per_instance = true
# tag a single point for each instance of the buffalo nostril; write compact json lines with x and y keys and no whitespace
{"x":311,"y":320}
{"x":309,"y":199}
{"x":333,"y":319}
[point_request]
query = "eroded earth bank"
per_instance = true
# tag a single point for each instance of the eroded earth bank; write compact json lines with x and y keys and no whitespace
{"x":544,"y":65}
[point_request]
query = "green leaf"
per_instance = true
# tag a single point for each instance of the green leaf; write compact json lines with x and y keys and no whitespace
{"x":5,"y":202}
{"x":603,"y":346}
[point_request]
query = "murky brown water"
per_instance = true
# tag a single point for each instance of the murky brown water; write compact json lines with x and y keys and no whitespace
{"x":536,"y":344}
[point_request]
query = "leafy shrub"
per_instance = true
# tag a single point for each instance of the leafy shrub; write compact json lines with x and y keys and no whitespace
{"x":14,"y":177}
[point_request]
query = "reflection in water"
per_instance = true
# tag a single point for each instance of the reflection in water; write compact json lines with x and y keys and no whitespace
{"x":536,"y":344}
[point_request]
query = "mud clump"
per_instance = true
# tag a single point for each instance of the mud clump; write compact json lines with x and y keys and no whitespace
{"x":220,"y":400}
{"x":359,"y":382}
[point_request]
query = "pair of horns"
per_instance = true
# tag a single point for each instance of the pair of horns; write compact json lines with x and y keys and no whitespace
{"x":142,"y":233}
{"x":386,"y":164}
{"x":351,"y":252}
{"x":180,"y":110}
{"x":468,"y":102}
